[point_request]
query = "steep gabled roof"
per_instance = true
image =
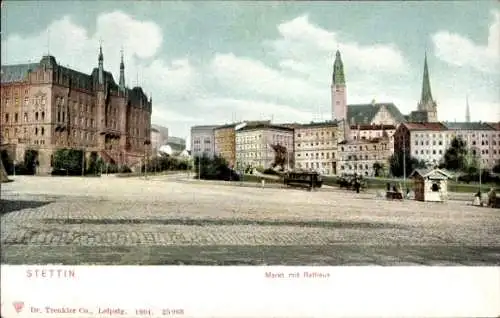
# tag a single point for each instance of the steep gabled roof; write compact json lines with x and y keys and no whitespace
{"x":364,"y":113}
{"x":16,"y":73}
{"x":430,"y":173}
{"x":419,"y":116}
{"x":495,"y":126}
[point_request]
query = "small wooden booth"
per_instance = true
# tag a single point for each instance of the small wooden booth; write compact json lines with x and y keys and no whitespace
{"x":430,"y":185}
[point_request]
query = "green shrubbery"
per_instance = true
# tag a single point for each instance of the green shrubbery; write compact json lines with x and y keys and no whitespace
{"x":165,"y":162}
{"x":486,"y":177}
{"x":68,"y":162}
{"x":215,"y":168}
{"x":270,"y":171}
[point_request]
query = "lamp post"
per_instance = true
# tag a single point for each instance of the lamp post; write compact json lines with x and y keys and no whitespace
{"x":480,"y":173}
{"x":404,"y":164}
{"x":83,"y":162}
{"x":199,"y":168}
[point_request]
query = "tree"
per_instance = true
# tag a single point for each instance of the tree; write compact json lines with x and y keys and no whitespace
{"x":69,"y":161}
{"x":397,"y":166}
{"x":93,"y":164}
{"x":215,"y":168}
{"x":456,"y":156}
{"x":280,"y":156}
{"x":378,"y":168}
{"x":496,"y":168}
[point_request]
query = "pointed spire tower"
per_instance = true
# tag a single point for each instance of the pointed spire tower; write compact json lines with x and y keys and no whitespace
{"x":467,"y":110}
{"x":338,"y":93}
{"x":427,"y":104}
{"x":101,"y":64}
{"x":122,"y":72}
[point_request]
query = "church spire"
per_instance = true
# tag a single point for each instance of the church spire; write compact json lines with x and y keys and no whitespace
{"x":467,"y":110}
{"x":426,"y":97}
{"x":101,"y":64}
{"x":338,"y":70}
{"x":122,"y":71}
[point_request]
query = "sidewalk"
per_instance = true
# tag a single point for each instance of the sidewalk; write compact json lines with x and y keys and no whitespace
{"x":452,"y":196}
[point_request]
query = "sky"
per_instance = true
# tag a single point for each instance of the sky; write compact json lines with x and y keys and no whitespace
{"x":219,"y":62}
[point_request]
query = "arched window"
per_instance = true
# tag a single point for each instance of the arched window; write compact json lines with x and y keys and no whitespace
{"x":43,"y":115}
{"x":42,"y":131}
{"x":36,"y":116}
{"x":435,"y":187}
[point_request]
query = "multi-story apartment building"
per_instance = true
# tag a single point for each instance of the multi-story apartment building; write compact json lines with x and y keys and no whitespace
{"x":225,"y":142}
{"x":159,"y":137}
{"x":481,"y":138}
{"x":424,"y":141}
{"x":359,"y":156}
{"x":495,"y":142}
{"x":373,"y":131}
{"x":429,"y":141}
{"x":203,"y":141}
{"x":155,"y":140}
{"x":45,"y":107}
{"x":254,"y":145}
{"x":316,"y":146}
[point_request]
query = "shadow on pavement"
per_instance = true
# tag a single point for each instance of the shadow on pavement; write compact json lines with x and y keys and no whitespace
{"x":8,"y":206}
{"x":226,"y":222}
{"x":323,"y":255}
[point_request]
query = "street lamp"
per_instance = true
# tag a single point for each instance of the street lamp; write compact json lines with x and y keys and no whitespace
{"x":404,"y":164}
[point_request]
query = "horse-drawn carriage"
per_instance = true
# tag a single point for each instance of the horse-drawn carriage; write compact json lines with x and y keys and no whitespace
{"x":352,"y":182}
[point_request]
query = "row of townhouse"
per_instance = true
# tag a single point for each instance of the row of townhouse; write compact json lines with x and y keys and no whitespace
{"x":318,"y":146}
{"x":429,"y":141}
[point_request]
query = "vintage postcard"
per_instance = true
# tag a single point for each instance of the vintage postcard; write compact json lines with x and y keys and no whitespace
{"x":258,"y":133}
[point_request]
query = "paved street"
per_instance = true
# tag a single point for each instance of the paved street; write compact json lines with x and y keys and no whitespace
{"x":162,"y":220}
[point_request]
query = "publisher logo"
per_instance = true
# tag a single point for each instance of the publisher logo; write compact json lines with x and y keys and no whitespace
{"x":18,"y":306}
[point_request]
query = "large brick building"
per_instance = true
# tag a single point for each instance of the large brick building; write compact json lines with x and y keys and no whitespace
{"x":46,"y":106}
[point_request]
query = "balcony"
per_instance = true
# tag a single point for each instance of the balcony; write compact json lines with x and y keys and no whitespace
{"x":110,"y":132}
{"x":60,"y":127}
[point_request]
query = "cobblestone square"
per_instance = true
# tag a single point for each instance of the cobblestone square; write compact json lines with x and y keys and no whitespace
{"x":166,"y":220}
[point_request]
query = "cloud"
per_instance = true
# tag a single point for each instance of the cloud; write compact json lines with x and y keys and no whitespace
{"x":254,"y":78}
{"x":291,"y":84}
{"x":74,"y":46}
{"x":459,"y":50}
{"x":303,"y":41}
